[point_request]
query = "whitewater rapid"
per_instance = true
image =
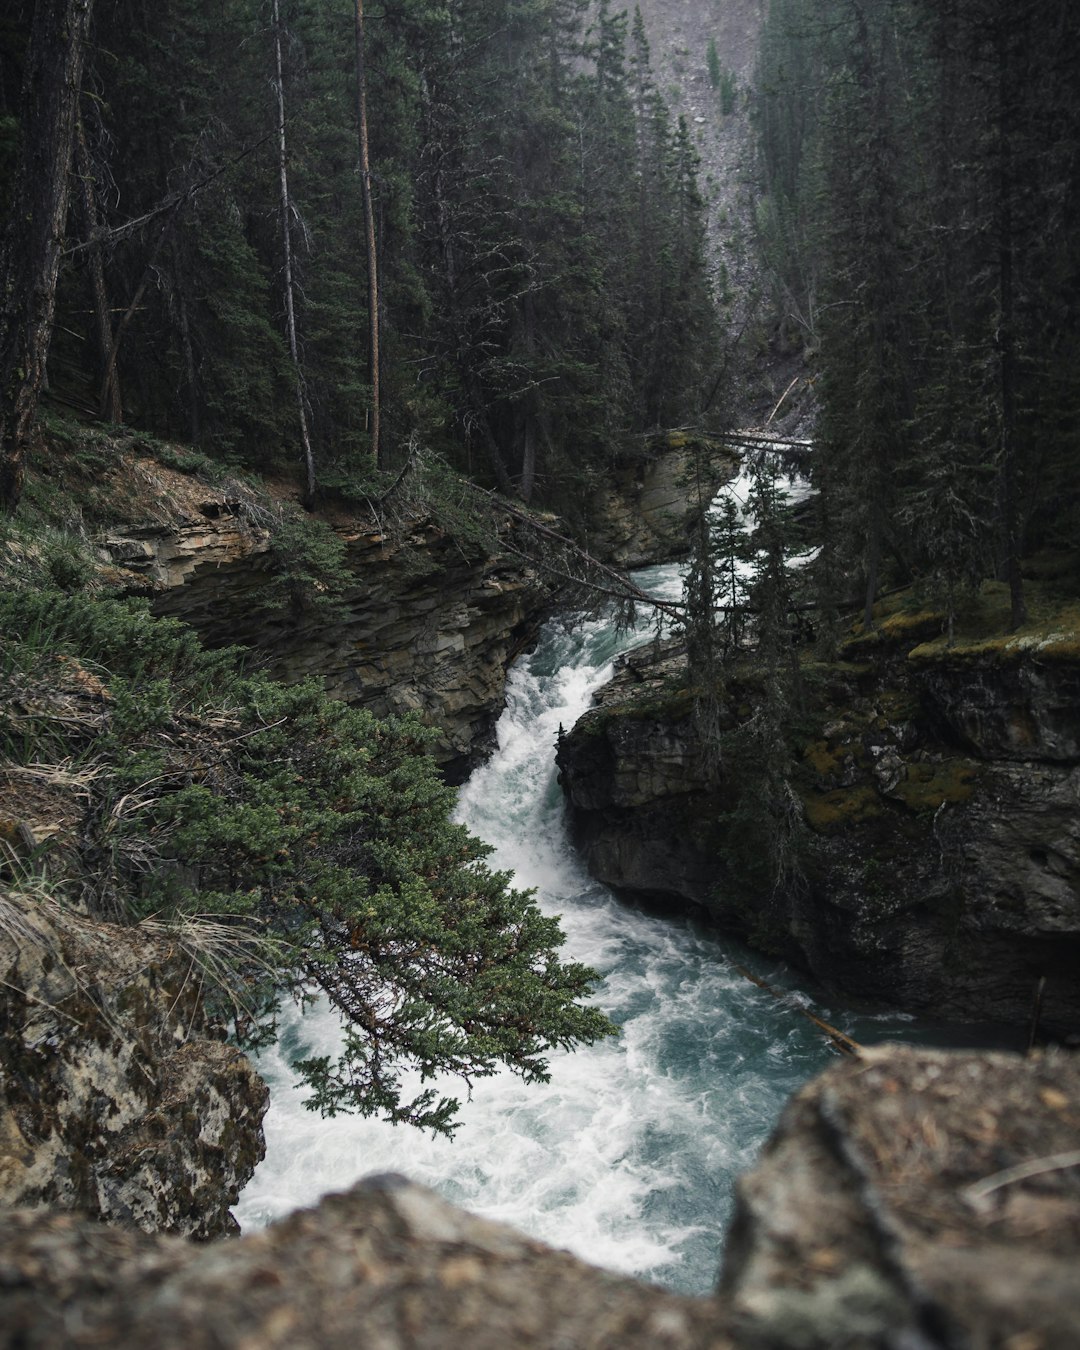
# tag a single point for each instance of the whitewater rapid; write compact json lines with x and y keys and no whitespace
{"x":628,"y":1156}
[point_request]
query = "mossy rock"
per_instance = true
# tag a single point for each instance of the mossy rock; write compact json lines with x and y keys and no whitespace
{"x":928,"y":786}
{"x":830,"y":812}
{"x":828,"y":759}
{"x":897,"y":629}
{"x":898,"y":705}
{"x":1054,"y":637}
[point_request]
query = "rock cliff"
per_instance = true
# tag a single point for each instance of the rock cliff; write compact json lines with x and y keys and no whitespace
{"x":643,"y":512}
{"x":907,"y":1200}
{"x":422,"y":621}
{"x":940,"y":793}
{"x":117,"y":1099}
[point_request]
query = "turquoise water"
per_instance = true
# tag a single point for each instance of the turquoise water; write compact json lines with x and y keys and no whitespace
{"x":629,"y":1155}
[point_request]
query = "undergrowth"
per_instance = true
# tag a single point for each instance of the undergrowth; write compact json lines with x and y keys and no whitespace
{"x":198,"y":795}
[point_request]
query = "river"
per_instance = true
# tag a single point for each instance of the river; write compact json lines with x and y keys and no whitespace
{"x":629,"y":1155}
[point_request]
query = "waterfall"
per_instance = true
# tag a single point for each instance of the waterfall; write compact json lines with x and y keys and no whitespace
{"x":628,"y":1156}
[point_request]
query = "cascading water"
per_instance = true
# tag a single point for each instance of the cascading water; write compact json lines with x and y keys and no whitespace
{"x":628,"y":1156}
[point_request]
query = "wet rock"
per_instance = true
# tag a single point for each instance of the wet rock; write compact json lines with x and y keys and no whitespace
{"x":116,"y":1099}
{"x":933,"y":877}
{"x":642,"y":513}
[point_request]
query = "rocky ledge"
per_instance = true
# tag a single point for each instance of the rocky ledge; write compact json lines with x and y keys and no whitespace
{"x":909,"y":1199}
{"x":422,"y":622}
{"x":939,"y":791}
{"x":915,"y":1199}
{"x":117,"y":1099}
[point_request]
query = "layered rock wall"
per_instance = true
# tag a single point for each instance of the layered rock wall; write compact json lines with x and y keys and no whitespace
{"x":426,"y":624}
{"x":940,"y":794}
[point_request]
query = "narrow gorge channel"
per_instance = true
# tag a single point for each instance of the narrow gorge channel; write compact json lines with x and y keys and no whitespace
{"x":628,"y":1157}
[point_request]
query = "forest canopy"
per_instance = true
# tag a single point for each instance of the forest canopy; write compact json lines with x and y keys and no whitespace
{"x":300,"y":230}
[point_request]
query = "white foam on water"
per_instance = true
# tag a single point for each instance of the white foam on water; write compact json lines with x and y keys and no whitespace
{"x":627,"y":1156}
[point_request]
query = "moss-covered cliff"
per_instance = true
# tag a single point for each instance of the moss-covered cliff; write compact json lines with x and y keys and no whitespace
{"x":938,"y":786}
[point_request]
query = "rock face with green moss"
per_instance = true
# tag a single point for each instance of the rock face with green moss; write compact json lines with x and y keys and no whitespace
{"x":117,"y":1099}
{"x":939,"y":853}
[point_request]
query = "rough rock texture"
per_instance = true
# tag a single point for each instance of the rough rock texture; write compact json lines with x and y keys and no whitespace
{"x":886,"y":1210}
{"x":428,"y":626}
{"x":388,"y":1266}
{"x":910,"y":1200}
{"x":942,"y":849}
{"x":115,"y":1099}
{"x":643,"y":514}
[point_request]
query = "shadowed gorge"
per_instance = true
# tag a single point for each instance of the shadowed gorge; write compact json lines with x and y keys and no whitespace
{"x":388,"y":869}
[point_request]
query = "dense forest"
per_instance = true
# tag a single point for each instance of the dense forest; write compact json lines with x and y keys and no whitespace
{"x":919,"y":223}
{"x":302,"y":233}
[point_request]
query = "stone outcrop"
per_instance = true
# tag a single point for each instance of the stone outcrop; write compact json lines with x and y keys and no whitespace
{"x":426,"y":624}
{"x":914,"y":1198}
{"x":643,"y":512}
{"x":388,"y":1265}
{"x":940,"y":794}
{"x":910,"y":1200}
{"x":116,"y":1097}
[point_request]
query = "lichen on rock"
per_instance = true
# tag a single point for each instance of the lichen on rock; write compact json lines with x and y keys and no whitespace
{"x":117,"y":1099}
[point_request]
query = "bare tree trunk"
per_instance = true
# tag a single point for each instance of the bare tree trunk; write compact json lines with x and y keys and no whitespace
{"x":1006,"y":335}
{"x":369,"y":233}
{"x":30,"y":256}
{"x":109,"y":403}
{"x":287,"y":265}
{"x":190,"y":371}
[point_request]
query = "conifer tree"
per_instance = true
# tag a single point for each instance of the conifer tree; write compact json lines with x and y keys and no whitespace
{"x":35,"y":228}
{"x":288,"y":283}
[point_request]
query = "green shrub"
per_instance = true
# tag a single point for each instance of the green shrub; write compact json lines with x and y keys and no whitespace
{"x":321,"y":836}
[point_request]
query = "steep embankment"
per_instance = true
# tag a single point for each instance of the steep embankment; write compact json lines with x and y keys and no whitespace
{"x":414,"y":618}
{"x":716,"y":100}
{"x":938,"y":856}
{"x":412,"y":604}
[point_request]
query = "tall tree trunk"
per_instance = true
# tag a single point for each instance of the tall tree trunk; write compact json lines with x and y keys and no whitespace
{"x":188,"y":347}
{"x":109,"y":402}
{"x":528,"y":446}
{"x":369,"y":233}
{"x":287,"y":267}
{"x":30,"y":255}
{"x":1006,"y":334}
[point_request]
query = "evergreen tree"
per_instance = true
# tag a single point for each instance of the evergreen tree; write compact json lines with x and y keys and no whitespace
{"x":34,"y":231}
